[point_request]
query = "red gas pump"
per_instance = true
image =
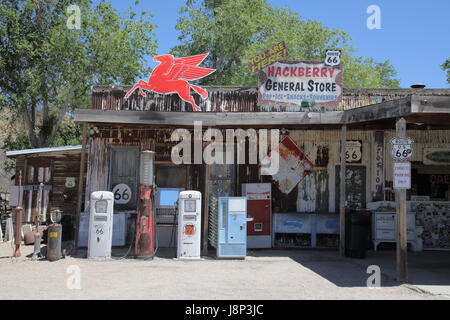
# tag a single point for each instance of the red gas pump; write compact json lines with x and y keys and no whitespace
{"x":145,"y":222}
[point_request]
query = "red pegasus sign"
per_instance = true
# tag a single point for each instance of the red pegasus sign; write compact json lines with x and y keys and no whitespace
{"x":171,"y":76}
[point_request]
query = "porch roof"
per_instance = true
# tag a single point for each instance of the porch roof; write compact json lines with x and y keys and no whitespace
{"x":421,"y":110}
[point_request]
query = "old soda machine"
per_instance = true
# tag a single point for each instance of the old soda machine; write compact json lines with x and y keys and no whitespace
{"x":189,"y":224}
{"x":145,"y":222}
{"x":259,"y":214}
{"x":100,"y":225}
{"x":232,"y":227}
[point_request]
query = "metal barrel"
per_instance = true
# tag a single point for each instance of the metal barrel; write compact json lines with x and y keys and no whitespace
{"x":54,"y":242}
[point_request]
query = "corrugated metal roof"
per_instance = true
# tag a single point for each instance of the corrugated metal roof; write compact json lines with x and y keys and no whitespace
{"x":42,"y":150}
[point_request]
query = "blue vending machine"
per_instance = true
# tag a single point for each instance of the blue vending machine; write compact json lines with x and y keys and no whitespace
{"x":232,"y":227}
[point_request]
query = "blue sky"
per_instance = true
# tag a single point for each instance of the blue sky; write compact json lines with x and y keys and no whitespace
{"x":414,"y":34}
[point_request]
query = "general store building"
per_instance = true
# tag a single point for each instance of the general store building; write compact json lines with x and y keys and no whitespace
{"x":118,"y":129}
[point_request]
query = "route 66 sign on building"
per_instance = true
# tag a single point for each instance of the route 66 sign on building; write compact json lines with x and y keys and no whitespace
{"x":332,"y":58}
{"x":402,"y":148}
{"x":353,"y":152}
{"x":122,"y":193}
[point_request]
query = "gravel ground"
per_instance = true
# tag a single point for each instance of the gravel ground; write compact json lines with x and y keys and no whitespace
{"x":264,"y":275}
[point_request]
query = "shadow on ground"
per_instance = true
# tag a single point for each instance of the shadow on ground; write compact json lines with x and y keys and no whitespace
{"x":428,"y":268}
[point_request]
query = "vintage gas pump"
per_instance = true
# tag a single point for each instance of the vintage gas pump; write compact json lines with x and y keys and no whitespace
{"x":189,"y":224}
{"x":100,"y":225}
{"x":145,"y":222}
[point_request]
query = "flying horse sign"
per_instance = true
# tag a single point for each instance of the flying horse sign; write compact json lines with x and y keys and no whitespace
{"x":172,"y":75}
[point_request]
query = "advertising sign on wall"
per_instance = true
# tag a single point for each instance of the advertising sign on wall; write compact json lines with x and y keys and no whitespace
{"x":292,"y":166}
{"x":288,"y":83}
{"x":377,"y":166}
{"x":353,"y":151}
{"x":436,"y":156}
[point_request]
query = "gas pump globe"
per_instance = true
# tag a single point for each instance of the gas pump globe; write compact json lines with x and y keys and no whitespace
{"x":145,"y":223}
{"x":146,"y":168}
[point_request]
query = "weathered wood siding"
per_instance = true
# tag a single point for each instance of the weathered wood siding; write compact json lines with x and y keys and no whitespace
{"x":235,"y":99}
{"x":97,"y":168}
{"x":64,"y":166}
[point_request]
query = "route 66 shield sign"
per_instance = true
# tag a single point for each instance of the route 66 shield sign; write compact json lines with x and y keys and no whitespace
{"x":332,"y":58}
{"x":401,"y":148}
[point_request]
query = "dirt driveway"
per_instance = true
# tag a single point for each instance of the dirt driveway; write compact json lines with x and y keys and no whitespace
{"x":271,"y":274}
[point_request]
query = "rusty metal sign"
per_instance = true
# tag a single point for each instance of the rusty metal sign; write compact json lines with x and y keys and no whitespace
{"x":268,"y":57}
{"x":288,"y":83}
{"x":293,"y":165}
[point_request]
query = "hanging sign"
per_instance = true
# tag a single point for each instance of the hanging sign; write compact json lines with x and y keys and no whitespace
{"x":401,"y":148}
{"x":402,"y":175}
{"x":267,"y":57}
{"x":172,"y":75}
{"x":353,"y":151}
{"x":293,"y":165}
{"x":122,"y":193}
{"x":289,"y":83}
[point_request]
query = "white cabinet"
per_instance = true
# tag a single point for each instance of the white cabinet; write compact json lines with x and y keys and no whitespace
{"x":384,"y":228}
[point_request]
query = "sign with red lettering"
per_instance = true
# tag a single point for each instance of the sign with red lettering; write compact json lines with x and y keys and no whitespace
{"x":267,"y":57}
{"x":288,"y":83}
{"x":402,"y":175}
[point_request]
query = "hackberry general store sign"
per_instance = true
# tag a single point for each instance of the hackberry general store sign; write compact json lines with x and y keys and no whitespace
{"x":288,"y":83}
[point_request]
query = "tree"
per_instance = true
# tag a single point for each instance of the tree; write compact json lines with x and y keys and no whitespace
{"x":446,"y":66}
{"x":235,"y":30}
{"x":47,"y":67}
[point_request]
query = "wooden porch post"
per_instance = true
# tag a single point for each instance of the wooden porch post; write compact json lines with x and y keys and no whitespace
{"x":342,"y":192}
{"x":400,"y":200}
{"x":80,"y":185}
{"x":206,"y":215}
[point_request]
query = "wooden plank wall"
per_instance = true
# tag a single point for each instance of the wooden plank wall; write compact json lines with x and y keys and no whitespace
{"x":60,"y":197}
{"x":315,"y":193}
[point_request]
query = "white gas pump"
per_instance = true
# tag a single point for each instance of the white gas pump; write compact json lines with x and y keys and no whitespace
{"x":100,"y":225}
{"x":189,"y":224}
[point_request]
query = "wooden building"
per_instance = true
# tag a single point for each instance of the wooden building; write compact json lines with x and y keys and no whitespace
{"x":118,"y":129}
{"x":58,"y":169}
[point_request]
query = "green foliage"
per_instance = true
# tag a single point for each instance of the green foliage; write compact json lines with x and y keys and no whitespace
{"x":47,"y":69}
{"x":235,"y":30}
{"x":446,"y":66}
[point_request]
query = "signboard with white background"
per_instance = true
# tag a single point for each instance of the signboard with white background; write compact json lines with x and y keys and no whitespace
{"x":288,"y":83}
{"x":401,"y":148}
{"x":402,"y":175}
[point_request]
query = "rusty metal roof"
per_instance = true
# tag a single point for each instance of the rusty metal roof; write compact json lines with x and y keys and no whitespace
{"x":63,"y":149}
{"x":237,"y":99}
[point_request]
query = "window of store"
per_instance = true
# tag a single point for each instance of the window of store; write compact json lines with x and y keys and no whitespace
{"x":431,"y":181}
